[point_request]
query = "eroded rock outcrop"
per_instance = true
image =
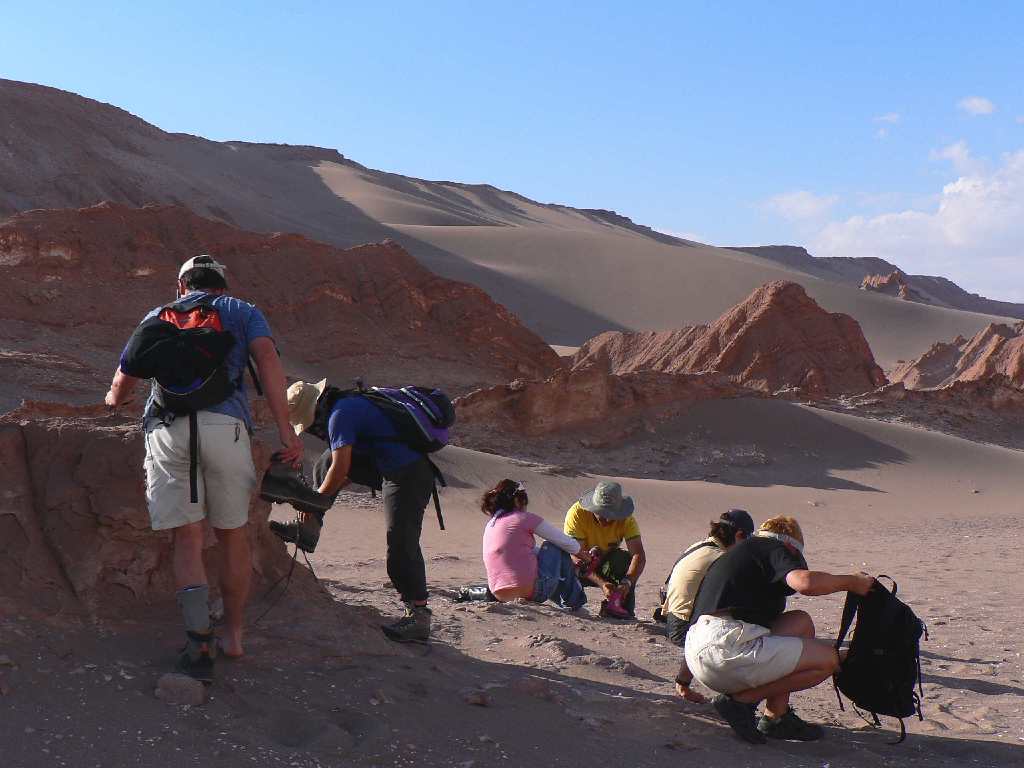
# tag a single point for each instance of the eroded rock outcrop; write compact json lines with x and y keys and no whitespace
{"x":614,"y":405}
{"x":995,"y":354}
{"x":74,"y":530}
{"x":74,"y":283}
{"x":892,"y":284}
{"x":776,"y":339}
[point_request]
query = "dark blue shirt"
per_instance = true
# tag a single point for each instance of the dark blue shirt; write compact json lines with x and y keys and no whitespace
{"x":246,"y":323}
{"x":356,"y":421}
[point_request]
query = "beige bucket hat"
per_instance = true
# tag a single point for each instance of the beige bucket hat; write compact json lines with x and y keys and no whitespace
{"x":302,"y":399}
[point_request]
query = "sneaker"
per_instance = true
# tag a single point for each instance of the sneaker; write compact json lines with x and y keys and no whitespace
{"x":284,"y":484}
{"x":196,"y":658}
{"x":304,"y":532}
{"x":474,"y":594}
{"x":789,"y":727}
{"x":740,"y":718}
{"x":414,"y":627}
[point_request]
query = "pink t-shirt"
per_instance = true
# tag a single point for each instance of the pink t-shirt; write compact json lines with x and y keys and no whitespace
{"x":509,"y":555}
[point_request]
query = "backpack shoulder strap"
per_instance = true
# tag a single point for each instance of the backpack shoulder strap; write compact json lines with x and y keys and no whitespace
{"x":685,"y":555}
{"x":850,"y":607}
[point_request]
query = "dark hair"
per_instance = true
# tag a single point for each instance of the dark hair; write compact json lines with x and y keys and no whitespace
{"x":724,"y":532}
{"x":202,"y":279}
{"x":504,"y":496}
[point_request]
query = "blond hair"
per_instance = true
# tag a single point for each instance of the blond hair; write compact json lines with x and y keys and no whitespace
{"x":785,"y":525}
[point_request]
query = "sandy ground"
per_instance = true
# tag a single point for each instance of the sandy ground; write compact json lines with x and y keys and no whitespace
{"x":321,"y":687}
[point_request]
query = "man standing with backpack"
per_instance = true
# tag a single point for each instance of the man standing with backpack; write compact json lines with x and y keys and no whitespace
{"x":198,"y":457}
{"x":364,"y":441}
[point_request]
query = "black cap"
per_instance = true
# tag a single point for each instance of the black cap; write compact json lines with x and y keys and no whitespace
{"x":739,"y":519}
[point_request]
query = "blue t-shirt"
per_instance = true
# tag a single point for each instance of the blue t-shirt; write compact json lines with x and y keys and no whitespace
{"x":246,"y":323}
{"x":356,"y":421}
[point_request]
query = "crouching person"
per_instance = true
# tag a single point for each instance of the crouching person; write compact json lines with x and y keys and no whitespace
{"x":600,"y":521}
{"x":743,"y":643}
{"x":684,"y":581}
{"x":515,"y":567}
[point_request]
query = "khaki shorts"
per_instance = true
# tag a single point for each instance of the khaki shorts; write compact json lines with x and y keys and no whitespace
{"x":729,"y":656}
{"x":226,"y":476}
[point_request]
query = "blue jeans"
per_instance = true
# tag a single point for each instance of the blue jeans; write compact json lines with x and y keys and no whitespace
{"x":556,"y":579}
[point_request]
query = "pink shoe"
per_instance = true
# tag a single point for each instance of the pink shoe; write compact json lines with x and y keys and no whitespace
{"x":595,"y":562}
{"x":613,"y":607}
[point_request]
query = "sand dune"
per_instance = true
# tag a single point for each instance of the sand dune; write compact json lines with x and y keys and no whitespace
{"x":568,"y":273}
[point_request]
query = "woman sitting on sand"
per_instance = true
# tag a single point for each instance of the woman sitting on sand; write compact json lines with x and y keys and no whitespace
{"x":515,"y":567}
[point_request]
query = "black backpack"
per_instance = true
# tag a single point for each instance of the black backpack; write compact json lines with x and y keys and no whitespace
{"x":184,"y":349}
{"x":883,"y":666}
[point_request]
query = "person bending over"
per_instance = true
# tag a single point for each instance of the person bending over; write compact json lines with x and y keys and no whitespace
{"x":731,"y":528}
{"x":745,"y":645}
{"x":359,"y":430}
{"x":600,"y":521}
{"x":515,"y":567}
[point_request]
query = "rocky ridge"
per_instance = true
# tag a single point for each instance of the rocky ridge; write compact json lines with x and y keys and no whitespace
{"x":893,"y":284}
{"x":74,"y":283}
{"x":995,"y":354}
{"x":778,"y":338}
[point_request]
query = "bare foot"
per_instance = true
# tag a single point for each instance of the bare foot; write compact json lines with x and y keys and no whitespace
{"x":690,"y":695}
{"x":231,"y":647}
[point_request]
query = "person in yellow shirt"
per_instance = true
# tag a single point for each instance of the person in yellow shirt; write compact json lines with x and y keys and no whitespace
{"x":601,"y":520}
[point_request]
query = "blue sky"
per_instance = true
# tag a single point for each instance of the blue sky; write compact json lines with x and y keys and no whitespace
{"x":888,"y":129}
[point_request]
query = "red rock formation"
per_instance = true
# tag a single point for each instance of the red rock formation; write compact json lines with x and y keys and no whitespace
{"x":74,"y":530}
{"x":74,"y":283}
{"x":778,"y":338}
{"x":893,"y":284}
{"x":995,"y":354}
{"x":587,"y":397}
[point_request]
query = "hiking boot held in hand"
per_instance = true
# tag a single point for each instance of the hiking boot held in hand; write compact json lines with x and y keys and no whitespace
{"x":196,"y":658}
{"x":740,"y":718}
{"x":283,"y":484}
{"x":414,"y":627}
{"x":304,"y":531}
{"x":789,"y":727}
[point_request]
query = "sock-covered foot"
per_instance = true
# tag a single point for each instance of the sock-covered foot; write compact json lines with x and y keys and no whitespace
{"x":789,"y":727}
{"x":414,"y":627}
{"x":740,"y":717}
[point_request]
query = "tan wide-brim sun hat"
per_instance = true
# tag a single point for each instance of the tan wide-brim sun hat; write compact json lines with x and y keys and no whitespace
{"x":302,"y":399}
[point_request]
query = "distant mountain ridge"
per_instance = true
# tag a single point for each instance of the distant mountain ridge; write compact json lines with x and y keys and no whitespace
{"x":853,"y":270}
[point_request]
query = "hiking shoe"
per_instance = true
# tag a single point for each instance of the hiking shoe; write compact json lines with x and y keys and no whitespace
{"x":789,"y":727}
{"x":196,"y":658}
{"x":284,"y":484}
{"x":740,"y":718}
{"x":414,"y":627}
{"x":474,"y":594}
{"x":304,"y":533}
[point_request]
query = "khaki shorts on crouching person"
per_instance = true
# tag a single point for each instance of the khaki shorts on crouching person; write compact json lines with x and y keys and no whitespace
{"x":226,"y":477}
{"x":729,"y":656}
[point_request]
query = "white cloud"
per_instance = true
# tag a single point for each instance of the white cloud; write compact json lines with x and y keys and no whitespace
{"x":800,"y":205}
{"x":959,"y":154}
{"x":974,"y":235}
{"x":976,"y":105}
{"x":892,"y":118}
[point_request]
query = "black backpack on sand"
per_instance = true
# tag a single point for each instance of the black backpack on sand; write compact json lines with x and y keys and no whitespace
{"x":883,"y":666}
